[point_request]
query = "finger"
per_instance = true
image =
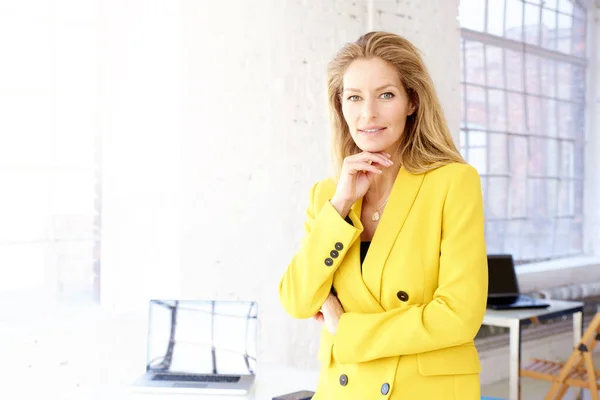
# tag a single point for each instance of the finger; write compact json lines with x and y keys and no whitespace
{"x":379,"y":158}
{"x":359,"y":166}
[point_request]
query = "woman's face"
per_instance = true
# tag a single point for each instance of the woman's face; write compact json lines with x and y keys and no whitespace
{"x":374,"y":104}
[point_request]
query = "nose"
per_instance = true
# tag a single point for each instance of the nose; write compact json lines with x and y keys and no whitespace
{"x":369,"y":110}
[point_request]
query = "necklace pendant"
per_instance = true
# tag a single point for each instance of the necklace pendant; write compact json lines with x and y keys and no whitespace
{"x":375,"y":216}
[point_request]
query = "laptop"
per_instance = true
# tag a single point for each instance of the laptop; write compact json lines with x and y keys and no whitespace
{"x":199,"y":346}
{"x":503,"y":289}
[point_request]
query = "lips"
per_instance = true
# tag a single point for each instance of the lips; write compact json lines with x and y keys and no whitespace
{"x":371,"y":130}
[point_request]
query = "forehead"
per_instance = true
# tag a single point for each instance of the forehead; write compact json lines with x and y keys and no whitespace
{"x":370,"y":73}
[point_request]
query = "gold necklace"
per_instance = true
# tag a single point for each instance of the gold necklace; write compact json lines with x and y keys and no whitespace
{"x":376,"y":215}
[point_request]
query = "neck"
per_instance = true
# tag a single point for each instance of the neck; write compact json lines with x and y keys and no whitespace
{"x":382,"y":186}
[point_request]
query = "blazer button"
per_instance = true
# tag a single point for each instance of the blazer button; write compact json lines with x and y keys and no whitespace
{"x":334,"y":254}
{"x":343,"y":380}
{"x":402,"y":295}
{"x":328,"y":262}
{"x":339,"y":246}
{"x":385,"y":388}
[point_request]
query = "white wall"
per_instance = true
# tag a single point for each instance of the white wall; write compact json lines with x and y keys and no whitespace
{"x":251,"y":123}
{"x":139,"y":114}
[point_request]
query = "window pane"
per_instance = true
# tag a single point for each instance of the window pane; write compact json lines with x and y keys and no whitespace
{"x":567,"y":170}
{"x":565,"y":120}
{"x":564,"y":36}
{"x":475,"y":63}
{"x":497,"y":110}
{"x":579,"y":35}
{"x":536,"y":196}
{"x":548,"y":39}
{"x":498,"y":154}
{"x":471,"y":13}
{"x":497,"y":198}
{"x":532,"y":74}
{"x":514,"y":70}
{"x":477,"y":158}
{"x":549,"y":117}
{"x":532,"y":24}
{"x":564,"y":80}
{"x":514,"y":19}
{"x":551,"y":196}
{"x":548,"y":77}
{"x":496,"y":236}
{"x":576,"y":233}
{"x":495,"y":17}
{"x":516,"y":113}
{"x":565,"y":198}
{"x":513,"y":241}
{"x":565,"y":6}
{"x":578,"y":83}
{"x":518,"y":172}
{"x":495,"y":66}
{"x":536,"y":164}
{"x":476,"y":113}
{"x":533,"y":115}
{"x":552,"y":158}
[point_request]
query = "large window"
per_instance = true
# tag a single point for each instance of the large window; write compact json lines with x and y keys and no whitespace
{"x":523,"y":67}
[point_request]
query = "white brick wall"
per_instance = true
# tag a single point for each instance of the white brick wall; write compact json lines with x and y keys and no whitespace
{"x":254,"y":138}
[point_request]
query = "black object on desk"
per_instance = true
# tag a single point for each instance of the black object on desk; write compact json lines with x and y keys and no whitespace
{"x":301,"y":395}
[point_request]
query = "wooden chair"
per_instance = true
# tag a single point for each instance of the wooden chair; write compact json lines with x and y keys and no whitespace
{"x":578,"y":371}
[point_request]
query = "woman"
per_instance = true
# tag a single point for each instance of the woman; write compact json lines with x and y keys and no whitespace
{"x":393,"y":262}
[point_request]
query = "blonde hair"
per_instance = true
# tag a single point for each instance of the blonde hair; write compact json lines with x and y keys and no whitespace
{"x":426,"y":143}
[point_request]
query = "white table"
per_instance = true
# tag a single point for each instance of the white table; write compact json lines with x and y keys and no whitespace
{"x":271,"y":381}
{"x":515,"y":319}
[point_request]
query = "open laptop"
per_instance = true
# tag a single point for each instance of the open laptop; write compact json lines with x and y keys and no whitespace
{"x":503,"y":289}
{"x":197,"y":346}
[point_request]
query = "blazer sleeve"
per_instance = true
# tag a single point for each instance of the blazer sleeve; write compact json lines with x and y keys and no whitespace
{"x":307,"y":280}
{"x":456,"y":312}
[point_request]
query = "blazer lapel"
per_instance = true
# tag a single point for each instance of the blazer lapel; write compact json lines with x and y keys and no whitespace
{"x":403,"y":194}
{"x":349,"y":275}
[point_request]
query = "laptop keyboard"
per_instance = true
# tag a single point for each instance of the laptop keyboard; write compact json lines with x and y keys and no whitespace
{"x":197,"y":378}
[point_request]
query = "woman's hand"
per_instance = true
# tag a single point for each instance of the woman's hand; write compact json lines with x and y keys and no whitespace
{"x":356,"y":177}
{"x":330,"y":313}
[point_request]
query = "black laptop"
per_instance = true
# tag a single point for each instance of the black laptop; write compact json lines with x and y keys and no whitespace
{"x":503,"y":289}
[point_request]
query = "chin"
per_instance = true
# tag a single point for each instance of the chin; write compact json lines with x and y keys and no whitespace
{"x":372,"y":147}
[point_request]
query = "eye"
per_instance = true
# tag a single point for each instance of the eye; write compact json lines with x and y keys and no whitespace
{"x":387,"y":95}
{"x":354,"y":97}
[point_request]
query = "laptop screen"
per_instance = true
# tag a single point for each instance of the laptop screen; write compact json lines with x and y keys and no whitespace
{"x":502,"y":276}
{"x":202,"y":337}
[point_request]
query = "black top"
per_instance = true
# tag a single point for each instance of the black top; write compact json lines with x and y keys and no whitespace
{"x":364,"y":247}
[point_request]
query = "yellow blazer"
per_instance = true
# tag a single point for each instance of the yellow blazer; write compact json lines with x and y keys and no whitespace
{"x":412,"y":314}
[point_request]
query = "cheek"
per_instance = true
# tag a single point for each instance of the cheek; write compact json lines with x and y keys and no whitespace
{"x":396,"y":114}
{"x":349,"y":113}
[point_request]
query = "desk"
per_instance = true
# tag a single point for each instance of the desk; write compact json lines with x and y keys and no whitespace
{"x":515,"y":319}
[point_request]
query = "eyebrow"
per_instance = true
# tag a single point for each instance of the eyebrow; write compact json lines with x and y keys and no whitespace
{"x":377,"y":89}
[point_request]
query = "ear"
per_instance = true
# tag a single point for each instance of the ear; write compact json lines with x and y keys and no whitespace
{"x":411,"y":109}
